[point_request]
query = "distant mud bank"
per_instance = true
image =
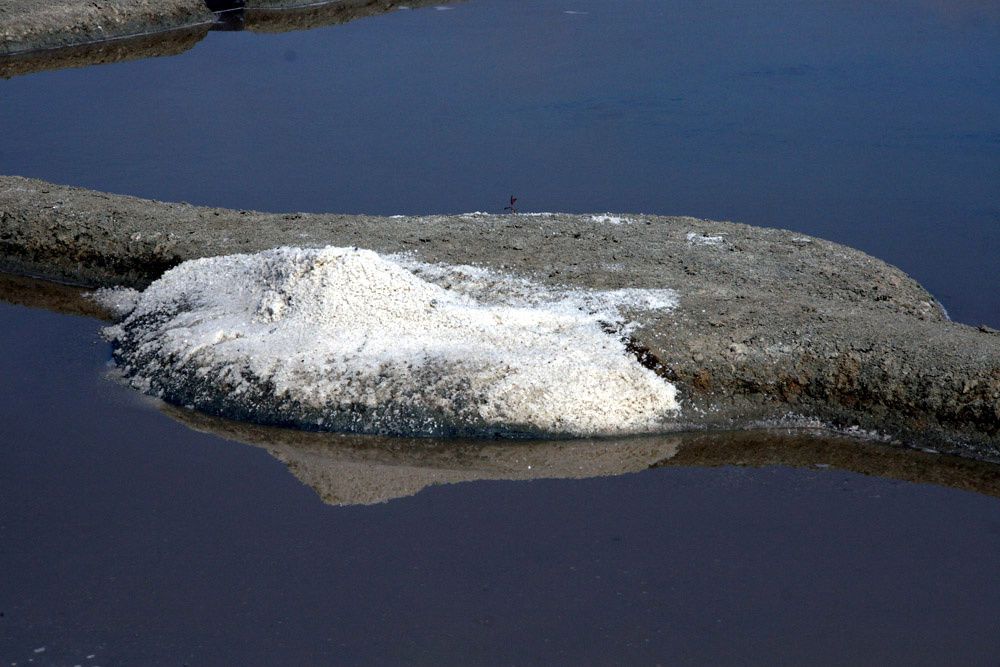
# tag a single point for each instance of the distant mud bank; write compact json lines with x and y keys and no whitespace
{"x":42,"y":36}
{"x":26,"y":25}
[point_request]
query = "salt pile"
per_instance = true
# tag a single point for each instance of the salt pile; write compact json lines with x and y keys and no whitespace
{"x":346,"y":339}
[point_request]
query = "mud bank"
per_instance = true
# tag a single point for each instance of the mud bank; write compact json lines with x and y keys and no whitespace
{"x":26,"y":25}
{"x":771,"y":325}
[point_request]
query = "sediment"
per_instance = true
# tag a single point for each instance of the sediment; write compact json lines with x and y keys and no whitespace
{"x":772,"y":326}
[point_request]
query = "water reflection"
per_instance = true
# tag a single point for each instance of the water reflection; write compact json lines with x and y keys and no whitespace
{"x":56,"y":297}
{"x":348,"y":469}
{"x":169,"y":43}
{"x":272,"y":16}
{"x":285,"y":16}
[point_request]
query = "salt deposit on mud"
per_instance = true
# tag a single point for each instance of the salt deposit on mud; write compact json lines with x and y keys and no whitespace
{"x":347,"y":339}
{"x":771,"y":324}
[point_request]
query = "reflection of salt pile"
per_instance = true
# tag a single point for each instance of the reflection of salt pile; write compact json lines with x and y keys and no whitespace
{"x":345,"y":339}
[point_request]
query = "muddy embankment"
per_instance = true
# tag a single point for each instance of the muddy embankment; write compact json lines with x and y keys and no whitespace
{"x":42,"y":36}
{"x":771,"y":325}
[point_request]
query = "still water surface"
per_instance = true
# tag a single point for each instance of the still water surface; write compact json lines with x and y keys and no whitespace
{"x":872,"y":124}
{"x":126,"y":535}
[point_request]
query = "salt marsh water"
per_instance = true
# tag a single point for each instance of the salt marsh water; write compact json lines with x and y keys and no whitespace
{"x":872,"y":124}
{"x":128,"y":536}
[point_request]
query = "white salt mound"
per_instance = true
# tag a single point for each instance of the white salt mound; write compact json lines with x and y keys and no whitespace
{"x":694,"y":238}
{"x":346,"y":339}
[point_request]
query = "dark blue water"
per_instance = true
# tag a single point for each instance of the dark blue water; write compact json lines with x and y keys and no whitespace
{"x":873,"y":124}
{"x":127,"y":536}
